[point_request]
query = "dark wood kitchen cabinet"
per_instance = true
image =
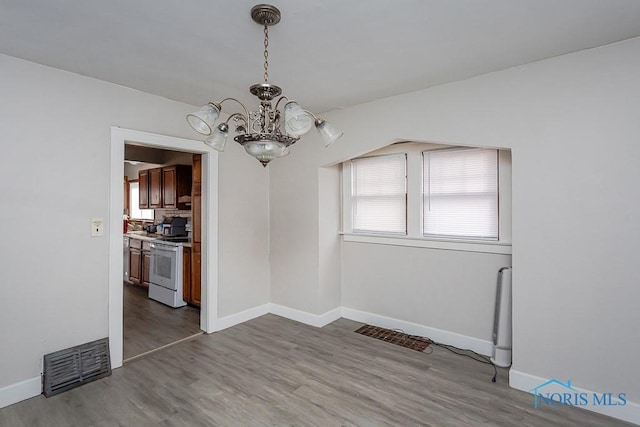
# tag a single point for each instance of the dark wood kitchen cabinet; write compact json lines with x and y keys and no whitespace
{"x":186,"y":274}
{"x":143,"y":189}
{"x":155,"y":188}
{"x":196,"y":200}
{"x":191,"y":275}
{"x":176,"y":187}
{"x":196,"y":274}
{"x":150,"y":188}
{"x":196,"y":231}
{"x":139,"y":262}
{"x":168,"y":187}
{"x":135,"y":265}
{"x":135,"y":261}
{"x":192,"y":256}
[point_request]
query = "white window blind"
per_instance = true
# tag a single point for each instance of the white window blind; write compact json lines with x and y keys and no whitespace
{"x":379,"y":194}
{"x":460,"y":193}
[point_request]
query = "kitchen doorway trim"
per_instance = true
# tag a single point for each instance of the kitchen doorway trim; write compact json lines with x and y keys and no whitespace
{"x":209,"y":297}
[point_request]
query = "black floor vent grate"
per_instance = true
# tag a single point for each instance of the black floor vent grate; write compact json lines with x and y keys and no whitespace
{"x":75,"y":366}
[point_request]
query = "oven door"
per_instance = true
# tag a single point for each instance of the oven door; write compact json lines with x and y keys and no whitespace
{"x":166,"y":266}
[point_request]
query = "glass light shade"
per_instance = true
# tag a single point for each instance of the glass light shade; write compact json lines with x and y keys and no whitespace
{"x":296,"y":121}
{"x":266,"y":150}
{"x":328,"y":133}
{"x":285,"y":152}
{"x":218,"y":140}
{"x":202,"y":120}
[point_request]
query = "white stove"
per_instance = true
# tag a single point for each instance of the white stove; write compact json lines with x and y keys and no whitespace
{"x":166,"y":273}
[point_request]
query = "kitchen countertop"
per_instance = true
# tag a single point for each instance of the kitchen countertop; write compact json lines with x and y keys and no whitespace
{"x":152,"y":237}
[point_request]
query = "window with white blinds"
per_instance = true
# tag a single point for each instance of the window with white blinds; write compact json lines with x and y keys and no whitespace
{"x":379,"y":194}
{"x":460,"y":193}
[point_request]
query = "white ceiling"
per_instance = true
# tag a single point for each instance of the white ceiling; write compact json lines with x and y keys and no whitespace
{"x":326,"y":54}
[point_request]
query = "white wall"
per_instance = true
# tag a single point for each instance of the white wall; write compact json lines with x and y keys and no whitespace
{"x":573,"y":125}
{"x":244,"y":232}
{"x":56,"y":126}
{"x":329,"y":247}
{"x":293,"y":203}
{"x":453,"y":291}
{"x":131,"y":171}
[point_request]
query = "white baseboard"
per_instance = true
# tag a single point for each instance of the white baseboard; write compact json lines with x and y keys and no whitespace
{"x":445,"y":337}
{"x":243,"y":316}
{"x":630,"y":412}
{"x":438,"y":335}
{"x":317,"y":320}
{"x":15,"y":393}
{"x":33,"y":387}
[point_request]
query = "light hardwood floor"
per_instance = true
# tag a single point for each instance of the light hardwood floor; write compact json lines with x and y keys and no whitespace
{"x":276,"y":372}
{"x":149,"y":324}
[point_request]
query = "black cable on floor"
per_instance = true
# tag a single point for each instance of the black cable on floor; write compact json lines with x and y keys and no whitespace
{"x":462,"y":352}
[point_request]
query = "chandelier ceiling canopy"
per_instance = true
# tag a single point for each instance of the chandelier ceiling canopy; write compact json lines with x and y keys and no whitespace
{"x":265,"y":133}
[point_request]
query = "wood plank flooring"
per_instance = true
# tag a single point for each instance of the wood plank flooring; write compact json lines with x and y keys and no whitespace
{"x":275,"y":372}
{"x":149,"y":325}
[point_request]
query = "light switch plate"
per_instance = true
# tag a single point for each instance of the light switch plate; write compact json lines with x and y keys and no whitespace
{"x":97,"y":227}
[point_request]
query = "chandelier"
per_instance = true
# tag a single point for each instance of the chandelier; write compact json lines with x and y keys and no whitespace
{"x":259,"y":131}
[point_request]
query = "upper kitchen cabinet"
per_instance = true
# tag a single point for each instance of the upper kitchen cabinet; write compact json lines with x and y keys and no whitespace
{"x":143,"y":189}
{"x":155,"y":188}
{"x":176,"y":187}
{"x":167,"y":187}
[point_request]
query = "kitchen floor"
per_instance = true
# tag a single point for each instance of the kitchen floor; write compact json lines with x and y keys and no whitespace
{"x":149,"y":325}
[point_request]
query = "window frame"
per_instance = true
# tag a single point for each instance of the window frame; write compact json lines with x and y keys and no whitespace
{"x":129,"y":205}
{"x":414,"y":212}
{"x":352,"y":196}
{"x":462,"y":237}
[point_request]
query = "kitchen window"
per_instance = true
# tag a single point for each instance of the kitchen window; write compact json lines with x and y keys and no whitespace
{"x":134,"y":203}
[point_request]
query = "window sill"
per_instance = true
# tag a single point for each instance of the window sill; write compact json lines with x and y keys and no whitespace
{"x":449,"y":245}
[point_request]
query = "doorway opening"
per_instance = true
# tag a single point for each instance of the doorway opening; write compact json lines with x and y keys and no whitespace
{"x":129,"y":306}
{"x":162,"y":265}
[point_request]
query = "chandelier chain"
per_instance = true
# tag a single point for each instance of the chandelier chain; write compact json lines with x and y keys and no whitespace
{"x":266,"y":52}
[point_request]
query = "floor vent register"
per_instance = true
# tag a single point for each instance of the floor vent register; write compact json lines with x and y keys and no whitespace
{"x":75,"y":366}
{"x":395,"y":337}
